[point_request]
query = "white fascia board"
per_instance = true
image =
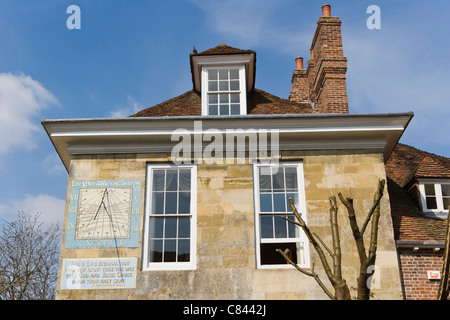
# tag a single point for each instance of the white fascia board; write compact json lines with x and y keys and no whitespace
{"x":296,"y":132}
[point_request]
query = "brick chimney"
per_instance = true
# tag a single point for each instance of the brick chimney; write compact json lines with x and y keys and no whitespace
{"x":324,"y":82}
{"x":300,"y":87}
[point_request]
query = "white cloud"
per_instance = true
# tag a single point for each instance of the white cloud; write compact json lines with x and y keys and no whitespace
{"x":53,"y":165}
{"x":51,"y":209}
{"x":21,"y":101}
{"x":132,"y":107}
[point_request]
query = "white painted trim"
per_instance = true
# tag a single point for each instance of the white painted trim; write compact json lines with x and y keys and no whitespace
{"x":242,"y":88}
{"x":301,"y":209}
{"x":440,"y":211}
{"x":191,"y":265}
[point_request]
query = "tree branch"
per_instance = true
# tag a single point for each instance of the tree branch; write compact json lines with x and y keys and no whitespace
{"x":376,"y":202}
{"x":311,"y":274}
{"x":335,"y":236}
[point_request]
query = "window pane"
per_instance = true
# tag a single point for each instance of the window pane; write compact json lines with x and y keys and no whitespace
{"x":446,"y":203}
{"x":157,"y":202}
{"x":264,"y":181}
{"x":224,"y":110}
{"x":269,"y":255}
{"x":223,"y":86}
{"x":170,"y":247}
{"x":278,"y":180}
{"x":170,"y":230}
{"x":224,"y":98}
{"x":184,"y":227}
{"x":234,"y":74}
{"x":212,"y":74}
{"x":291,"y":227}
{"x":265,"y":202}
{"x":213,"y":110}
{"x":280,"y":227}
{"x":235,"y":109}
{"x":156,"y":227}
{"x":212,"y":86}
{"x":294,"y":197}
{"x":171,"y":202}
{"x":184,"y":250}
{"x":185,"y":202}
{"x":223,"y":74}
{"x":291,"y":178}
{"x":234,"y":98}
{"x":266,"y":226}
{"x":213,"y":98}
{"x":279,"y":202}
{"x":234,"y":85}
{"x":431,"y":203}
{"x":158,"y":180}
{"x":185,"y":180}
{"x":155,"y":249}
{"x":445,"y":190}
{"x":429,"y":189}
{"x":172,"y":180}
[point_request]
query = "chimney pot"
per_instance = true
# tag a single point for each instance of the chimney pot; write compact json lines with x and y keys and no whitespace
{"x":299,"y":63}
{"x":326,"y":10}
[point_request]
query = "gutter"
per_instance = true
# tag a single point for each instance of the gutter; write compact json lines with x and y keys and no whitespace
{"x":417,"y":245}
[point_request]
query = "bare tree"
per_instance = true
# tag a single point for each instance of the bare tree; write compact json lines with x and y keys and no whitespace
{"x":443,"y":285}
{"x":29,"y":256}
{"x":334,"y":274}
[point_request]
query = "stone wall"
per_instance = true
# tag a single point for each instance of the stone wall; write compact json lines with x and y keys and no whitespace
{"x":226,"y":236}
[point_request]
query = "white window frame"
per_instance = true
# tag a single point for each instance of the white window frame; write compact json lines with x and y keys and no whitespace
{"x":301,"y":209}
{"x":242,"y":87}
{"x":440,"y":211}
{"x":191,"y":265}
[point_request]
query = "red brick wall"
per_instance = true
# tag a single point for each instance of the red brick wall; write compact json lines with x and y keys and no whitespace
{"x":414,"y":267}
{"x":324,"y":82}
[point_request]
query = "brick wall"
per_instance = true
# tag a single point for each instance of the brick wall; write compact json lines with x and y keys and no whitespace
{"x":414,"y":267}
{"x":324,"y":81}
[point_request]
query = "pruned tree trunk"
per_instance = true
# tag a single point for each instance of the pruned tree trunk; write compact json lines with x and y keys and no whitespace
{"x":341,"y":290}
{"x":443,"y":286}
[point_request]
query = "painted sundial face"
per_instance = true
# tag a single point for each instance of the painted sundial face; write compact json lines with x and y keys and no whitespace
{"x":104,"y":213}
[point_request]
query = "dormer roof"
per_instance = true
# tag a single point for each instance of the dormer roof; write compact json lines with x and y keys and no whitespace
{"x":223,"y":55}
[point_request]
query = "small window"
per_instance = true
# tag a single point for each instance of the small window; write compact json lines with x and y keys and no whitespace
{"x":223,"y":92}
{"x":274,"y":185}
{"x":170,"y":218}
{"x":435,"y":196}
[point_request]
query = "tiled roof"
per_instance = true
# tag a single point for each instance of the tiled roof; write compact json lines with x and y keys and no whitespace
{"x":405,"y":164}
{"x":405,"y":161}
{"x":410,"y":224}
{"x":222,"y":49}
{"x":258,"y":102}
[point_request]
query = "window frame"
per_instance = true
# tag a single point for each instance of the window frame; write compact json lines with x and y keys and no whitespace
{"x":163,"y":266}
{"x":301,"y":209}
{"x":440,"y":211}
{"x":242,"y":89}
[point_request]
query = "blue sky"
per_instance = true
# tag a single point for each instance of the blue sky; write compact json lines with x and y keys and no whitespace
{"x":134,"y":54}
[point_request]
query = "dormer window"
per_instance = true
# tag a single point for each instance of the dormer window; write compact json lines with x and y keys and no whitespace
{"x":223,"y":91}
{"x":223,"y":75}
{"x":435,"y":196}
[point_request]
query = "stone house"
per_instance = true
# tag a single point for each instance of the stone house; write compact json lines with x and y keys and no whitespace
{"x":183,"y":200}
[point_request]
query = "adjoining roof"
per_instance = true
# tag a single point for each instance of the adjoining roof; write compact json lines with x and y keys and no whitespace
{"x":410,"y":224}
{"x":405,"y":164}
{"x":258,"y":102}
